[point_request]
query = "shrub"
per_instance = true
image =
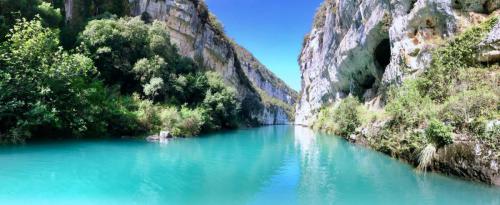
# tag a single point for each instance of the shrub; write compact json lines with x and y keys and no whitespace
{"x":220,"y":104}
{"x":408,"y":107}
{"x":341,"y":120}
{"x":426,"y":156}
{"x":491,"y":137}
{"x":464,"y":108}
{"x":439,"y":134}
{"x":191,"y":122}
{"x":169,"y":118}
{"x":325,"y":122}
{"x":449,"y":60}
{"x":147,"y":114}
{"x":347,"y":116}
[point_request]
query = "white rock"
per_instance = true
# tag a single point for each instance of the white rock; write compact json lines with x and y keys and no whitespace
{"x":348,"y":53}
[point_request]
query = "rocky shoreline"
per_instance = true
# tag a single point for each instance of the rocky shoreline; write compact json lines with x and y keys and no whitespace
{"x":465,"y":158}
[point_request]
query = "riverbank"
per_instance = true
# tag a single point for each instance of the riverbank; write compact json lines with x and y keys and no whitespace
{"x":466,"y":158}
{"x":444,"y":119}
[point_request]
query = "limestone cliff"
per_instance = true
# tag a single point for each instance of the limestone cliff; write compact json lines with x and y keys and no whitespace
{"x":360,"y":47}
{"x":198,"y":35}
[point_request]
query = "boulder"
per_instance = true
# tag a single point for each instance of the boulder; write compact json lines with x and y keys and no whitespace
{"x":489,"y":48}
{"x":162,"y":137}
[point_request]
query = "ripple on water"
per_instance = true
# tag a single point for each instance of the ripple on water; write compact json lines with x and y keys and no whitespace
{"x":269,"y":165}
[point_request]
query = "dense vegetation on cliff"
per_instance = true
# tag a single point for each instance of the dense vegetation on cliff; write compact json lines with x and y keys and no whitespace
{"x":124,"y":77}
{"x":456,"y":98}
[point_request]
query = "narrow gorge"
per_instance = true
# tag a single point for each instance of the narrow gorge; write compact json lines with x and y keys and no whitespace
{"x":265,"y":99}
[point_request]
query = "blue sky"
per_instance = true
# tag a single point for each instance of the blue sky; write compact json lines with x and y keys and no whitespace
{"x":271,"y":29}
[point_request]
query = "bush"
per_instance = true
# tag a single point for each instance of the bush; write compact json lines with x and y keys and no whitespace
{"x":464,"y":108}
{"x":220,"y":104}
{"x":50,"y":92}
{"x":183,"y":122}
{"x":347,"y":116}
{"x":341,"y":120}
{"x":324,"y":122}
{"x":147,"y":114}
{"x":449,"y":60}
{"x":191,"y":122}
{"x":439,"y":134}
{"x":12,"y":10}
{"x":408,"y":107}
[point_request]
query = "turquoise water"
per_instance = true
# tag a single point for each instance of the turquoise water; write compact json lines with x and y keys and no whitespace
{"x":270,"y":165}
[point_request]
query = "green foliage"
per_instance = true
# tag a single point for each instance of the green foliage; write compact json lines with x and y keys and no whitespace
{"x":465,"y":108}
{"x":408,"y":107}
{"x":455,"y":89}
{"x":50,"y":15}
{"x":458,"y":54}
{"x":85,"y":11}
{"x":11,"y":10}
{"x":183,"y":122}
{"x":139,"y":57}
{"x":190,"y":123}
{"x":439,"y":134}
{"x":491,"y":137}
{"x":51,"y":92}
{"x":115,"y":46}
{"x":324,"y":122}
{"x":45,"y":89}
{"x":220,"y":104}
{"x":343,"y":119}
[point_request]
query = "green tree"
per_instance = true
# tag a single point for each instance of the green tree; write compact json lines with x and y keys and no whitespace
{"x":220,"y":104}
{"x":42,"y":86}
{"x":11,"y":10}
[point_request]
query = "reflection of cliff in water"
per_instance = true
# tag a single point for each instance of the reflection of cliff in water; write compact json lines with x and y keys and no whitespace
{"x":253,"y":161}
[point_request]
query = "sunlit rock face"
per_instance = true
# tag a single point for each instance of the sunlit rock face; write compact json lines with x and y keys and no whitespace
{"x":490,"y":47}
{"x":360,"y":47}
{"x":187,"y":21}
{"x":198,"y":39}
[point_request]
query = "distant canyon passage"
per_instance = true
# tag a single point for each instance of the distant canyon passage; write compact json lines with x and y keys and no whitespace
{"x":264,"y":97}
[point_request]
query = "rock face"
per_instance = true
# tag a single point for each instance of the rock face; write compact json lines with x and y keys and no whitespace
{"x":193,"y":31}
{"x":263,"y":79}
{"x":490,"y":47}
{"x":473,"y":161}
{"x":190,"y":29}
{"x":359,"y":47}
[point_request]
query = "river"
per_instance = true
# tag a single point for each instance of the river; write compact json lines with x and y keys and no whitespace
{"x":268,"y":165}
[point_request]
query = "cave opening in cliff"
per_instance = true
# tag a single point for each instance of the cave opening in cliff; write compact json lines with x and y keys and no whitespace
{"x":368,"y":82}
{"x":383,"y":54}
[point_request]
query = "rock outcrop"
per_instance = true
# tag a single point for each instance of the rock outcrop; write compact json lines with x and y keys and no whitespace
{"x":361,"y":47}
{"x":193,"y":30}
{"x":198,"y":35}
{"x":490,"y":47}
{"x":358,"y":47}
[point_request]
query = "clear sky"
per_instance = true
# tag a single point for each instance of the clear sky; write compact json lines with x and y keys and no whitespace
{"x":272,"y":30}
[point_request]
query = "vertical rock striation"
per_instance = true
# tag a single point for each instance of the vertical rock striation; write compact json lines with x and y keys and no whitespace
{"x":265,"y":98}
{"x":359,"y":47}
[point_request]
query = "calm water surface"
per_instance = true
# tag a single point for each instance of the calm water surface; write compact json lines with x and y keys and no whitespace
{"x":270,"y":165}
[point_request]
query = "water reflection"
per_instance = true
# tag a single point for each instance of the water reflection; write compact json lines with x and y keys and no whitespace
{"x":269,"y":165}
